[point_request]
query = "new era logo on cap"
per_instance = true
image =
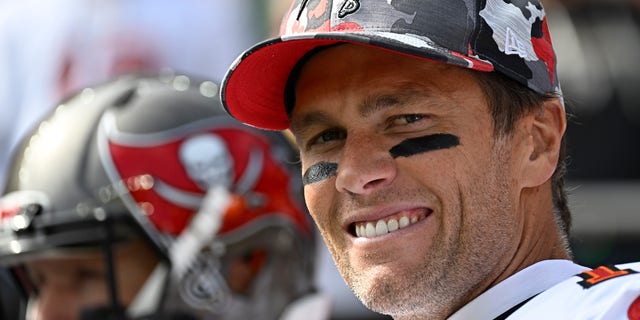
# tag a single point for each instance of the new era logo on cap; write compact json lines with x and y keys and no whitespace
{"x":513,"y":44}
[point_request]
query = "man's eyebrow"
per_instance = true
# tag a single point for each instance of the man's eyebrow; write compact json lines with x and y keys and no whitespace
{"x":403,"y":96}
{"x":396,"y":98}
{"x":301,"y":124}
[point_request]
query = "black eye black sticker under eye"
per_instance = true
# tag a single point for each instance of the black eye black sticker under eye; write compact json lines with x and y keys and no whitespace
{"x":410,"y":147}
{"x":319,"y":171}
{"x":413,"y":146}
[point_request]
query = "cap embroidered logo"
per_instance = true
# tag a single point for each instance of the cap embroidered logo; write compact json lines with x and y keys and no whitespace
{"x":513,"y":44}
{"x":348,"y":7}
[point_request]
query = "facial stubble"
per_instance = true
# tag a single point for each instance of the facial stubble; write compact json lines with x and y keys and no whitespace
{"x":464,"y":255}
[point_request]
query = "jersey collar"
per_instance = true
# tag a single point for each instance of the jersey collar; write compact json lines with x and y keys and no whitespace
{"x":517,"y":288}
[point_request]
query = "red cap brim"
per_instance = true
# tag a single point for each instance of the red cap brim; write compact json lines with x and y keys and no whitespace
{"x":253,"y":90}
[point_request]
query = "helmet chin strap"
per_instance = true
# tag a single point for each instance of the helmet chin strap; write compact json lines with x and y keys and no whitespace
{"x":116,"y":310}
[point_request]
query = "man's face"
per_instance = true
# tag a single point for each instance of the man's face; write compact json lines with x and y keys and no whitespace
{"x":75,"y":282}
{"x":413,"y":195}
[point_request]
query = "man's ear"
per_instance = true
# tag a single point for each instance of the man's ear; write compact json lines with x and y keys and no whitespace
{"x":546,"y":128}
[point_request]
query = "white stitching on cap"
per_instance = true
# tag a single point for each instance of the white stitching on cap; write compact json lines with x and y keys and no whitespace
{"x":514,"y":45}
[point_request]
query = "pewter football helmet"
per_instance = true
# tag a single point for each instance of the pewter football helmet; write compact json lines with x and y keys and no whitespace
{"x":156,"y":157}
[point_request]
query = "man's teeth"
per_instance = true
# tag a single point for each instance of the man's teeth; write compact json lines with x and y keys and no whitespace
{"x":382,"y":227}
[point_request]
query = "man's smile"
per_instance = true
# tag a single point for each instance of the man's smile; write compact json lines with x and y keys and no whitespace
{"x":379,"y":227}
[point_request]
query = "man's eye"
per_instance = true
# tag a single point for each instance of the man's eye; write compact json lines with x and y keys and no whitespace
{"x":406,"y":119}
{"x":327,"y":136}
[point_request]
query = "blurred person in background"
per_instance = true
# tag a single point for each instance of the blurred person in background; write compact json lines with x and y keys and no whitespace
{"x":141,"y":199}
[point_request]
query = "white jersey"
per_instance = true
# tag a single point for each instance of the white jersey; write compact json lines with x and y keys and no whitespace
{"x":561,"y":289}
{"x":315,"y":306}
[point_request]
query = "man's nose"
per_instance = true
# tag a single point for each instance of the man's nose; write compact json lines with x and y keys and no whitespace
{"x":365,"y":166}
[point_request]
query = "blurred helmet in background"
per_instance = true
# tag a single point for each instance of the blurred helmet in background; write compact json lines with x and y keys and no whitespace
{"x":155,"y":158}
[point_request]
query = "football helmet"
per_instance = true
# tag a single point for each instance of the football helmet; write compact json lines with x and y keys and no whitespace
{"x":156,"y":157}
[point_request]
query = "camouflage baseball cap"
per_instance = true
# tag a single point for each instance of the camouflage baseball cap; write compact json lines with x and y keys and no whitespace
{"x":506,"y":36}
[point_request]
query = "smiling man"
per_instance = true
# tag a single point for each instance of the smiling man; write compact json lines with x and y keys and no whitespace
{"x":431,"y":137}
{"x":447,"y":198}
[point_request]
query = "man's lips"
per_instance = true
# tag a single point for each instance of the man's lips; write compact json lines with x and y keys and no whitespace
{"x":388,"y":224}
